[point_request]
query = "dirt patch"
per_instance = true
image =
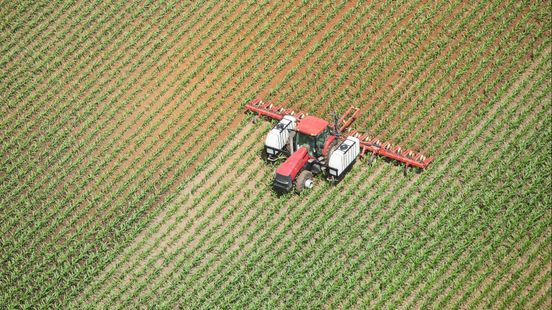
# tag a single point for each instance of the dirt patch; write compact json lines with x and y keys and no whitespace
{"x":405,"y":109}
{"x":301,"y":55}
{"x":110,"y":165}
{"x":479,"y":91}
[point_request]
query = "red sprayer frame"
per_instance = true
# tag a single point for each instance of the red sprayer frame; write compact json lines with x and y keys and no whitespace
{"x":367,"y":145}
{"x":262,"y":108}
{"x":408,"y":157}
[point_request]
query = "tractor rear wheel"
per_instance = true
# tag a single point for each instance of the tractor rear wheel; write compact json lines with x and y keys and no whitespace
{"x":264,"y":155}
{"x":304,"y":180}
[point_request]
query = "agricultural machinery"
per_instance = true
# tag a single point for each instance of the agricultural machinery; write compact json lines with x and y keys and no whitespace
{"x":311,"y":146}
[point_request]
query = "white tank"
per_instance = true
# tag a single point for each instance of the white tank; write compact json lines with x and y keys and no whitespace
{"x":278,"y":136}
{"x":344,"y":156}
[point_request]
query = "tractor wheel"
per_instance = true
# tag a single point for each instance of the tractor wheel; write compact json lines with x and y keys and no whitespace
{"x":304,"y":180}
{"x":264,"y":155}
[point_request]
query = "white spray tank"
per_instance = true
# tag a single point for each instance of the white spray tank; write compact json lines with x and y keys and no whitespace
{"x":278,"y":136}
{"x":344,"y":156}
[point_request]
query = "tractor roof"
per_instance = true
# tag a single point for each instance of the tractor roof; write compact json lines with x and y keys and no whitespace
{"x":311,"y":125}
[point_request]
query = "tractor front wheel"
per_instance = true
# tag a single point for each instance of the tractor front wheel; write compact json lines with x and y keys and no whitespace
{"x":304,"y":180}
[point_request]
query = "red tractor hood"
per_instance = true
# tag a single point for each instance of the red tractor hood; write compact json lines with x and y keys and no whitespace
{"x":294,"y":163}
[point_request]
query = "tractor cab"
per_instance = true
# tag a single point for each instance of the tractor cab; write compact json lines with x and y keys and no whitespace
{"x":312,"y":133}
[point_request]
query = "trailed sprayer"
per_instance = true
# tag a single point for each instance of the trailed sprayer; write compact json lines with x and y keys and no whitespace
{"x":312,"y":145}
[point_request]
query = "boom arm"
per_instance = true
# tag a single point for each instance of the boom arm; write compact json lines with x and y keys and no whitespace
{"x":348,"y":118}
{"x":267,"y":109}
{"x":408,"y":157}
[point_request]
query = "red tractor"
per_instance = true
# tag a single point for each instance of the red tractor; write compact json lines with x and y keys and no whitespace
{"x":313,"y":146}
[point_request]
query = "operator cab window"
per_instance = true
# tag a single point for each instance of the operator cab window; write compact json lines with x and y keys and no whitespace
{"x":314,"y":144}
{"x":307,"y":141}
{"x":321,"y":139}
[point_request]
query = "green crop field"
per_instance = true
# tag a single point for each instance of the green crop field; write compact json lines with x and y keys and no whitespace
{"x":131,"y":175}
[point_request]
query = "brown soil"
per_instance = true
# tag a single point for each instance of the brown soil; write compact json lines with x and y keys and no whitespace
{"x":380,"y":126}
{"x":412,"y":182}
{"x":430,"y":135}
{"x":299,"y":57}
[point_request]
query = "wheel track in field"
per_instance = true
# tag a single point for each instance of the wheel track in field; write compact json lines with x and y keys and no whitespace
{"x":226,"y":208}
{"x":197,"y":185}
